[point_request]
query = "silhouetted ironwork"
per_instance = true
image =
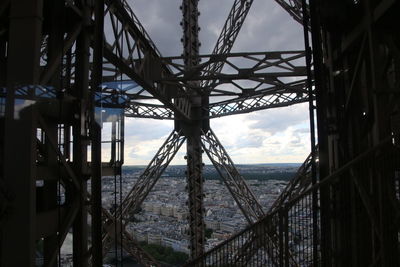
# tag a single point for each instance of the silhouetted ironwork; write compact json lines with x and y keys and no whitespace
{"x":69,"y":67}
{"x":292,"y":222}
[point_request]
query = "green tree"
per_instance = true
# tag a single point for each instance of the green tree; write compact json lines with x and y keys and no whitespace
{"x":208,"y":233}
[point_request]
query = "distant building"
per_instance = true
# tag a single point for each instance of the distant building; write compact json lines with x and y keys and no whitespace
{"x":167,"y":210}
{"x":229,"y":227}
{"x":212,"y":224}
{"x":154,"y":238}
{"x":220,"y":235}
{"x":157,"y":208}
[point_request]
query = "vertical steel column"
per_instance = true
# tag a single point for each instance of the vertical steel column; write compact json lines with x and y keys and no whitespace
{"x":95,"y":133}
{"x":3,"y":62}
{"x":54,"y":50}
{"x":307,"y":47}
{"x":50,"y":198}
{"x":80,"y":132}
{"x":382,"y":109}
{"x":192,"y":130}
{"x":18,"y":231}
{"x":321,"y":92}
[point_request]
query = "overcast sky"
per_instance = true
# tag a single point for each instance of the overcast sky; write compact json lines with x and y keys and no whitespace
{"x":269,"y":136}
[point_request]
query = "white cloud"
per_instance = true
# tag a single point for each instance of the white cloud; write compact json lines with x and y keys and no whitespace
{"x":277,"y":135}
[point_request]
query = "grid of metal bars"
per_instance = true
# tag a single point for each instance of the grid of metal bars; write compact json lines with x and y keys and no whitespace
{"x":290,"y":226}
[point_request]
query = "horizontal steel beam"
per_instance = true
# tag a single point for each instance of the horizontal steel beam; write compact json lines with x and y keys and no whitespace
{"x":290,"y":94}
{"x":264,"y":68}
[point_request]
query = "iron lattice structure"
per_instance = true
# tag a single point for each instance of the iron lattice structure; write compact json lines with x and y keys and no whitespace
{"x":69,"y":67}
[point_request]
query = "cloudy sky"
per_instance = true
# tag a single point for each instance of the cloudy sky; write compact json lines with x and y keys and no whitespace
{"x":269,"y":136}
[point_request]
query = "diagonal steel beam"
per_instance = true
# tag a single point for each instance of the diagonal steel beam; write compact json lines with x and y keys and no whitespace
{"x":181,"y":109}
{"x":127,"y":242}
{"x":65,"y":225}
{"x":243,"y":196}
{"x":53,"y":143}
{"x":228,"y":35}
{"x":131,"y":51}
{"x":151,"y":174}
{"x":240,"y":191}
{"x":63,"y":49}
{"x":294,"y":8}
{"x":300,"y":182}
{"x":236,"y":184}
{"x":142,"y":188}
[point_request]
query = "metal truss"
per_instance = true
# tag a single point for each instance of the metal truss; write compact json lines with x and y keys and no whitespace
{"x":195,"y":190}
{"x":297,"y":185}
{"x":238,"y":188}
{"x":192,"y":130}
{"x":66,"y":78}
{"x":294,"y":8}
{"x":277,"y":96}
{"x":225,"y":167}
{"x":268,"y":75}
{"x":262,"y":239}
{"x":124,"y":239}
{"x":236,"y":184}
{"x":244,"y":72}
{"x":69,"y":179}
{"x":141,"y":189}
{"x":129,"y":51}
{"x":228,"y":35}
{"x":265,"y":100}
{"x":151,"y":174}
{"x":152,"y":111}
{"x":300,"y":183}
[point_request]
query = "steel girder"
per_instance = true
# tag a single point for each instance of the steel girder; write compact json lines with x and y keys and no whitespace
{"x":228,"y":35}
{"x":277,"y":96}
{"x":69,"y":179}
{"x":266,"y":99}
{"x":138,"y":193}
{"x":110,"y":224}
{"x":195,"y":189}
{"x":266,"y":241}
{"x":244,"y":72}
{"x":298,"y":184}
{"x":358,"y":103}
{"x":152,"y":111}
{"x":41,"y":160}
{"x":140,"y":59}
{"x":192,"y":129}
{"x":131,"y":67}
{"x":236,"y":185}
{"x":294,"y":8}
{"x":275,"y":79}
{"x":151,"y":174}
{"x":240,"y":191}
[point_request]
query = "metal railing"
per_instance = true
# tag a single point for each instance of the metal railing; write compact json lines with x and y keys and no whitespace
{"x":286,"y":236}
